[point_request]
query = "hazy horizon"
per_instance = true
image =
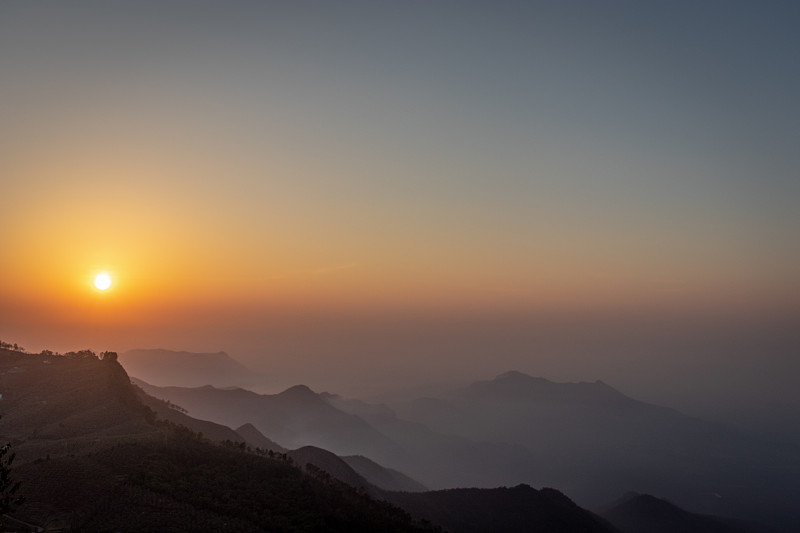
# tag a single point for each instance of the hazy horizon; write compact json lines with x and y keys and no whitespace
{"x":367,"y":196}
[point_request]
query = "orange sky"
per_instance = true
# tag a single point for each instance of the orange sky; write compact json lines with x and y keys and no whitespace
{"x":180,"y":239}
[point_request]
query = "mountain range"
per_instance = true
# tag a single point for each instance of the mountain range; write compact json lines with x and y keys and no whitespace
{"x":96,"y":453}
{"x":587,"y":439}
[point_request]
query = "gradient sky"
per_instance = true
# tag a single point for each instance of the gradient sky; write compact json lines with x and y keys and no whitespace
{"x":276,"y":178}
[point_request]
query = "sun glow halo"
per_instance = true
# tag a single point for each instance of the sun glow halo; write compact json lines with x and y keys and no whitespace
{"x":102,"y":281}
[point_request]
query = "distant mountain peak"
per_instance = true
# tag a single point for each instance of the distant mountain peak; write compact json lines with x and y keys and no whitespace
{"x":521,"y":377}
{"x":645,"y":513}
{"x":300,"y":391}
{"x":512,"y":374}
{"x":520,"y":387}
{"x":516,"y":375}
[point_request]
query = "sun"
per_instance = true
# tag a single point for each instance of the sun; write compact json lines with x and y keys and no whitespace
{"x":102,"y":281}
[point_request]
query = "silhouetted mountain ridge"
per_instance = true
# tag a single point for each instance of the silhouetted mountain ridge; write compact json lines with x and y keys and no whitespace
{"x":301,"y":393}
{"x":515,"y":385}
{"x":643,"y":513}
{"x":331,"y":463}
{"x":294,"y":418}
{"x":254,"y":438}
{"x":519,"y":509}
{"x":382,"y":477}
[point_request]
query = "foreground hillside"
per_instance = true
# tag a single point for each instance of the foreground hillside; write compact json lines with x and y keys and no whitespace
{"x":191,"y":485}
{"x":60,"y":405}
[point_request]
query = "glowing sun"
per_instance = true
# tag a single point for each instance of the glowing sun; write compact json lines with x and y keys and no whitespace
{"x":102,"y":281}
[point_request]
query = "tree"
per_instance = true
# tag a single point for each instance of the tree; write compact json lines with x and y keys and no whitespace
{"x":8,"y":487}
{"x":81,"y":354}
